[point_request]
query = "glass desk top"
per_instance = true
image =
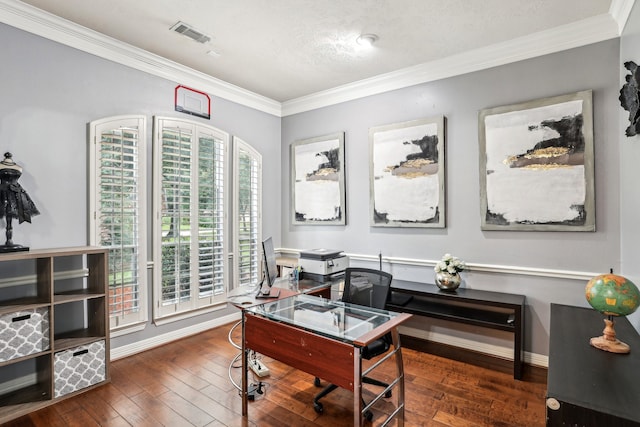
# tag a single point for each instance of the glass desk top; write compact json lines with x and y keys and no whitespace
{"x":334,"y":319}
{"x":245,"y":295}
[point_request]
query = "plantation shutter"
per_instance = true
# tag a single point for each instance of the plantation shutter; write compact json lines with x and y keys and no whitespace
{"x":247,"y":203}
{"x":176,"y":215}
{"x":190,"y":198}
{"x":211,"y":207}
{"x":118,"y":220}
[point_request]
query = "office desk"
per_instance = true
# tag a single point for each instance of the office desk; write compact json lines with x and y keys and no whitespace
{"x":323,"y":338}
{"x":494,"y":310}
{"x":245,"y":296}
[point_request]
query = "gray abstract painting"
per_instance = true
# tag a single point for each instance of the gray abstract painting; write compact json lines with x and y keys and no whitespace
{"x":407,"y":174}
{"x":317,"y":180}
{"x":536,"y":166}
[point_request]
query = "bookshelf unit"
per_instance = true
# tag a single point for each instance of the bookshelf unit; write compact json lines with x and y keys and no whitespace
{"x":54,"y":326}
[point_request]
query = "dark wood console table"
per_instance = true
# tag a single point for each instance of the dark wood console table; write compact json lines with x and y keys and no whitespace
{"x":587,"y":386}
{"x":494,"y":310}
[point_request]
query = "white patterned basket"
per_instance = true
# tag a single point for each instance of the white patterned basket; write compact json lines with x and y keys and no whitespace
{"x":79,"y":367}
{"x":23,"y":333}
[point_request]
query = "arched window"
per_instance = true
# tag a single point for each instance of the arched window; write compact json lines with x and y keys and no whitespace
{"x":190,"y":201}
{"x":196,"y":224}
{"x":117,"y":215}
{"x":247,"y":202}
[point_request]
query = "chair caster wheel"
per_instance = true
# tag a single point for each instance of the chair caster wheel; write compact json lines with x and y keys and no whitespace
{"x":318,"y":407}
{"x":316,"y":382}
{"x":387,"y":394}
{"x":368,"y":415}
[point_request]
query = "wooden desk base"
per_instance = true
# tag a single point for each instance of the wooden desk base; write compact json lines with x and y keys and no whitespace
{"x":306,"y":351}
{"x":320,"y":356}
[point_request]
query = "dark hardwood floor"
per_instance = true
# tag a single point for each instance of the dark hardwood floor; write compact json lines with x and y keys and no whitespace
{"x":186,"y":383}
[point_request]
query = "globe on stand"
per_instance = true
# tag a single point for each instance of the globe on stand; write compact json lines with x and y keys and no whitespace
{"x":613,"y":296}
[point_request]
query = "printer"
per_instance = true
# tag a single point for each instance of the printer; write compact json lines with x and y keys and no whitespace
{"x":322,"y":264}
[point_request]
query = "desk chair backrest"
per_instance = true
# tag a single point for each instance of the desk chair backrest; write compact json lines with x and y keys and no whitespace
{"x":365,"y":286}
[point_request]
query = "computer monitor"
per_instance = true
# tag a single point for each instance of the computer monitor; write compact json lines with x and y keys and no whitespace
{"x":269,"y":258}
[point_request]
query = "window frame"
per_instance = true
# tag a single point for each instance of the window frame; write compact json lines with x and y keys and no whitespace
{"x":96,"y":127}
{"x":196,"y":303}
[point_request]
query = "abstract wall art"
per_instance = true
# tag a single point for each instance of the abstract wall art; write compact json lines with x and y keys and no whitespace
{"x":407,"y":174}
{"x":630,"y":98}
{"x":536,"y":165}
{"x":318,"y":181}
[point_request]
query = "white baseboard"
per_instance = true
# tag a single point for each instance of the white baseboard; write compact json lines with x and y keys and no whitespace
{"x":490,"y":349}
{"x":158,"y":340}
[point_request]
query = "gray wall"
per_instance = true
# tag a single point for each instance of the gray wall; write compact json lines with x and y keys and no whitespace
{"x":629,"y":161}
{"x":50,"y":92}
{"x":459,"y":99}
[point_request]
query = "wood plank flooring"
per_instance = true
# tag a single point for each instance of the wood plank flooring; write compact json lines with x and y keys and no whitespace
{"x":186,"y":383}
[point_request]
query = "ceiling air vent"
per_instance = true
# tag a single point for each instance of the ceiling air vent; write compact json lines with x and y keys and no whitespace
{"x":189,"y":31}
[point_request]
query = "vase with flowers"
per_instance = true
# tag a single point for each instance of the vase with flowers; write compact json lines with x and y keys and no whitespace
{"x":448,"y":272}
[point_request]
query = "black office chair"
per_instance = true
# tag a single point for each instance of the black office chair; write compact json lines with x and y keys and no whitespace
{"x":364,"y":286}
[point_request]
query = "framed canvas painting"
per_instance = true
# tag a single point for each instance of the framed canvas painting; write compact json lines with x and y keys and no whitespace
{"x":317,"y":180}
{"x":407,"y":171}
{"x":536,"y":165}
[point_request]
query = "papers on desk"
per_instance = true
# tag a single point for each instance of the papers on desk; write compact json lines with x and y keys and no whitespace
{"x":326,"y":321}
{"x":335,"y":322}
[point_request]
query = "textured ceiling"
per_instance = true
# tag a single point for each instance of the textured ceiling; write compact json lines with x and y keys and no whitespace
{"x":286,"y":49}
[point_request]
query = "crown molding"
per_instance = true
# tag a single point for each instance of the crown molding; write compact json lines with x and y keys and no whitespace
{"x":577,"y":34}
{"x":620,"y":11}
{"x":49,"y":26}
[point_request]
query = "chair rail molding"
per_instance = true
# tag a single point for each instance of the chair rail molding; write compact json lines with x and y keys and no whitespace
{"x":473,"y":267}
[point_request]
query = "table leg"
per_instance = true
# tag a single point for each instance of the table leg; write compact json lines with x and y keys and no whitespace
{"x":518,"y":344}
{"x":245,"y":379}
{"x":395,"y":338}
{"x":358,"y":418}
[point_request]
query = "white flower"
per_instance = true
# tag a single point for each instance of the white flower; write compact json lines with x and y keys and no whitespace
{"x":449,"y":264}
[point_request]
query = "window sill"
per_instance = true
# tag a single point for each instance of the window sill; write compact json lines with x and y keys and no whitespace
{"x":170,"y":318}
{"x":127,"y":329}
